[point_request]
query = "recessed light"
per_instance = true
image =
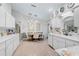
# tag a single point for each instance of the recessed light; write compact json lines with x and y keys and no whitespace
{"x":50,"y":9}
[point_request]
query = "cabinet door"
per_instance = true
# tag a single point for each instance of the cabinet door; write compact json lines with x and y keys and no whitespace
{"x":2,"y":49}
{"x":50,"y":40}
{"x":75,"y":43}
{"x":9,"y":47}
{"x":76,"y":17}
{"x":54,"y":42}
{"x":70,"y":43}
{"x":58,"y":42}
{"x":13,"y":22}
{"x":10,"y":21}
{"x":2,"y":17}
{"x":61,"y":43}
{"x":16,"y":42}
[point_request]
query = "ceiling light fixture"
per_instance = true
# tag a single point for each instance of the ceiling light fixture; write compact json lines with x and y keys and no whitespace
{"x":35,"y":15}
{"x":0,"y":4}
{"x":50,"y":9}
{"x":33,"y":5}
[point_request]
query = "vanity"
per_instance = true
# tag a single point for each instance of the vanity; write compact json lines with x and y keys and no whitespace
{"x":58,"y":41}
{"x":8,"y":44}
{"x":62,"y":42}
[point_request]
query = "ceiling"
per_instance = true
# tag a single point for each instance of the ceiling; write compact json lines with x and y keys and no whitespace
{"x":36,"y":10}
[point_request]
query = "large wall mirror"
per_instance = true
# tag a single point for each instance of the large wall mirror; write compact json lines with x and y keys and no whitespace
{"x":69,"y":25}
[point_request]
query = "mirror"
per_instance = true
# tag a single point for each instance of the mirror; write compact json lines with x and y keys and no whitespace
{"x":69,"y":25}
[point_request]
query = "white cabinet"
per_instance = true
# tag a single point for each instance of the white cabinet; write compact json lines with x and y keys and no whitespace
{"x":2,"y":17}
{"x":12,"y":44}
{"x":50,"y":40}
{"x":16,"y":41}
{"x":2,"y":52}
{"x":55,"y":42}
{"x":2,"y":49}
{"x":9,"y":47}
{"x":6,"y":19}
{"x":10,"y":21}
{"x":76,"y":17}
{"x":13,"y":22}
{"x":58,"y":42}
{"x":70,"y":43}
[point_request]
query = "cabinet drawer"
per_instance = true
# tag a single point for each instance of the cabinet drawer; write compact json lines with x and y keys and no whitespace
{"x":69,"y":43}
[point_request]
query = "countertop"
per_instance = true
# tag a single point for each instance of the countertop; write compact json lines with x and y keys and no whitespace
{"x":74,"y":38}
{"x":70,"y":51}
{"x":6,"y":37}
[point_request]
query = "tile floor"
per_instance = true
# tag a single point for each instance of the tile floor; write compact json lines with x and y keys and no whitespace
{"x":34,"y":48}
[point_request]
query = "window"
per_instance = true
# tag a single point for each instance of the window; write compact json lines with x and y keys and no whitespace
{"x":33,"y":26}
